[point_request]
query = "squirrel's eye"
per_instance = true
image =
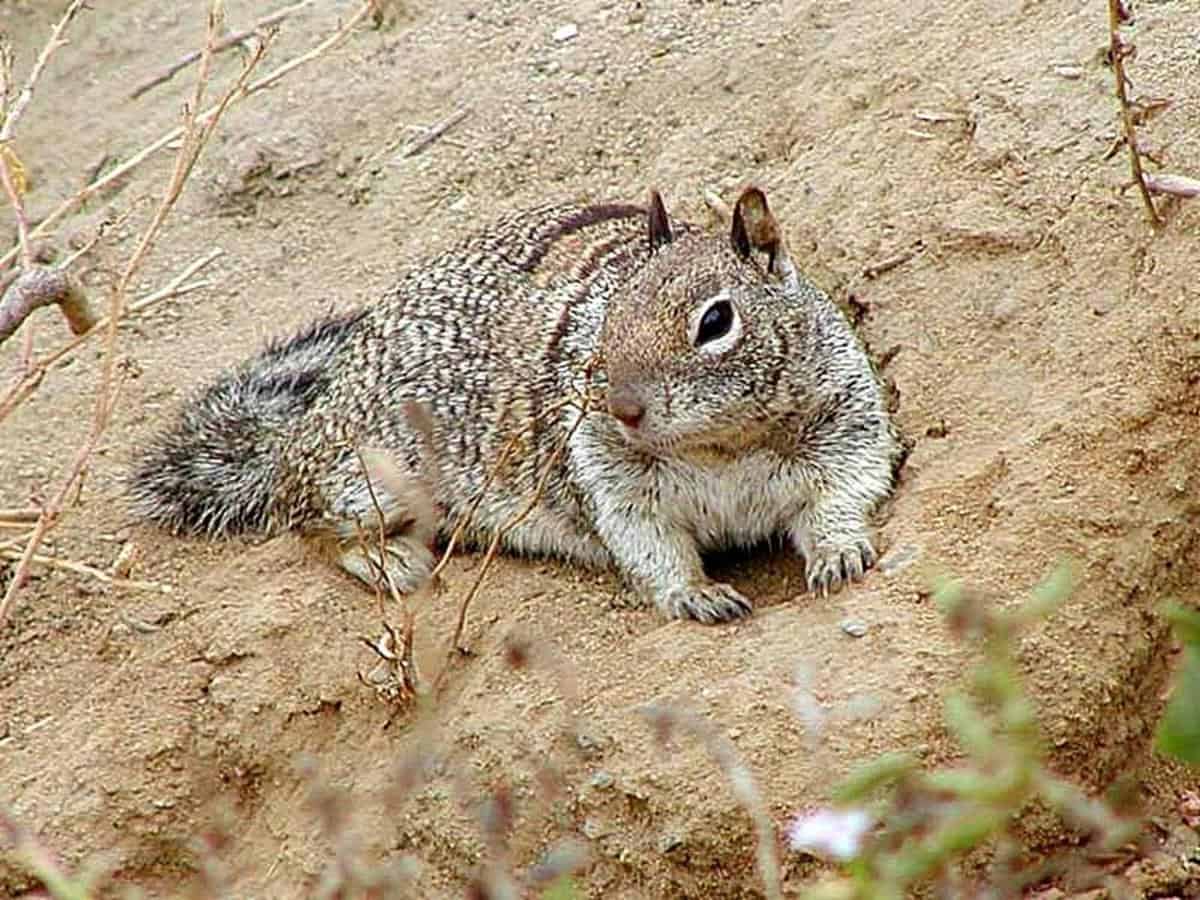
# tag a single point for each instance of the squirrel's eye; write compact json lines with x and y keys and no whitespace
{"x":715,"y":323}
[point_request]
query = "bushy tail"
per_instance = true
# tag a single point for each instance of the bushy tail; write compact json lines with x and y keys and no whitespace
{"x":216,"y":471}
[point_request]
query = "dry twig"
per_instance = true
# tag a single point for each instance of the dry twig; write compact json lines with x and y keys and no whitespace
{"x":432,"y":133}
{"x":195,"y":133}
{"x":13,"y":114}
{"x":22,"y":296}
{"x":231,"y":40}
{"x":67,"y":565}
{"x":1118,"y":50}
{"x":454,"y":648}
{"x":176,"y":287}
{"x":40,"y":286}
{"x":81,"y":196}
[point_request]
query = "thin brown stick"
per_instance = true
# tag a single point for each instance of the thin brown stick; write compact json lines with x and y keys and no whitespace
{"x":53,"y":562}
{"x":224,"y":44}
{"x":874,"y":270}
{"x":81,"y":196}
{"x":1118,"y":49}
{"x":497,"y":467}
{"x":13,"y":115}
{"x":20,"y":514}
{"x":432,"y":133}
{"x":195,"y":135}
{"x":453,"y":648}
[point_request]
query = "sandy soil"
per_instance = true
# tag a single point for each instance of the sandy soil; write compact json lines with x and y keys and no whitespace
{"x":1044,"y":345}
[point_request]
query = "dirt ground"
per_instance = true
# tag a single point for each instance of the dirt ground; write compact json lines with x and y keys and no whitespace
{"x":1044,"y":344}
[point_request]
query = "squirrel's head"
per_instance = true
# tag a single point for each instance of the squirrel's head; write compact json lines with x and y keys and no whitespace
{"x":693,"y":347}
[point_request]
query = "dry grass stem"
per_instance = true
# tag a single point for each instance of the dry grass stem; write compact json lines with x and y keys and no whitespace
{"x":227,"y":42}
{"x":454,"y":647}
{"x":12,"y":178}
{"x":13,"y":114}
{"x":66,"y":565}
{"x":497,"y":467}
{"x":891,"y":262}
{"x":432,"y":133}
{"x":195,"y":135}
{"x":76,"y":200}
{"x":1118,"y":50}
{"x":402,"y":681}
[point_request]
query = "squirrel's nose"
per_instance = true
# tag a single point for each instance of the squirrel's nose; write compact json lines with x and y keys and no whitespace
{"x":626,"y":408}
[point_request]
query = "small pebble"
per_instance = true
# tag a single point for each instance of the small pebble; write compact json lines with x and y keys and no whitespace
{"x":601,"y":781}
{"x":899,"y":558}
{"x":669,"y":842}
{"x":854,"y":627}
{"x":1071,"y":72}
{"x":566,"y":33}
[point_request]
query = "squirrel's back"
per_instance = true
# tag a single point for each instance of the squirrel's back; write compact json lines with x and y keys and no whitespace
{"x":479,"y":333}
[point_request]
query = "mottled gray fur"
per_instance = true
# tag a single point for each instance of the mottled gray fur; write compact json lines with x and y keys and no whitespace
{"x":734,"y":404}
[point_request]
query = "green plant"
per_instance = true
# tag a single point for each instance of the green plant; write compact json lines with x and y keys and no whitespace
{"x":927,"y":822}
{"x":1179,"y":731}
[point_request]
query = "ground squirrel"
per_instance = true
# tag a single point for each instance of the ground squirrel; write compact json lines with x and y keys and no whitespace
{"x":734,"y":404}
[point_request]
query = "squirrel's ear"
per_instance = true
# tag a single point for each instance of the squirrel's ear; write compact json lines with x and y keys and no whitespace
{"x":754,"y":228}
{"x":660,"y":226}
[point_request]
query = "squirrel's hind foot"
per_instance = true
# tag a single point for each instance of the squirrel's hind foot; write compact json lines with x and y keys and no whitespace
{"x":404,"y":563}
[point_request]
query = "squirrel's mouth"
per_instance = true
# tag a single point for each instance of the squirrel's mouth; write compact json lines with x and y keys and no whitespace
{"x":703,"y":446}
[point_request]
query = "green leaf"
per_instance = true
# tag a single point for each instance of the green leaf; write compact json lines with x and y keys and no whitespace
{"x":1186,"y":622}
{"x":1179,"y":730}
{"x":973,"y":730}
{"x":887,"y":769}
{"x":1050,"y":594}
{"x":563,"y":889}
{"x":948,"y":595}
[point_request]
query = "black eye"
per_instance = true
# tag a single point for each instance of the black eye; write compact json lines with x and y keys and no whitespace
{"x":715,"y":323}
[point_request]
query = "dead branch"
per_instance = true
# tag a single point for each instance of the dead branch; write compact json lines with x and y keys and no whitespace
{"x":13,"y":115}
{"x":40,"y":286}
{"x":20,"y":514}
{"x":195,"y":135}
{"x":176,"y":287}
{"x":1173,"y":185}
{"x":13,"y":178}
{"x":432,"y":133}
{"x":84,"y":194}
{"x":1118,"y":49}
{"x":874,"y":270}
{"x":53,"y":562}
{"x":232,"y":40}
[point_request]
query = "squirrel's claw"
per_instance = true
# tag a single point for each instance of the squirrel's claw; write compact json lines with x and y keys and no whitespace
{"x":828,"y":569}
{"x":708,"y":603}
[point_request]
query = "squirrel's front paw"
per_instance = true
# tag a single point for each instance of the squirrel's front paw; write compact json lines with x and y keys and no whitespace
{"x":829,"y":567}
{"x":709,"y":603}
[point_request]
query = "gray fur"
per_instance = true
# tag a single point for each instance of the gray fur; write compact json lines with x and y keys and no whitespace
{"x":776,"y":427}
